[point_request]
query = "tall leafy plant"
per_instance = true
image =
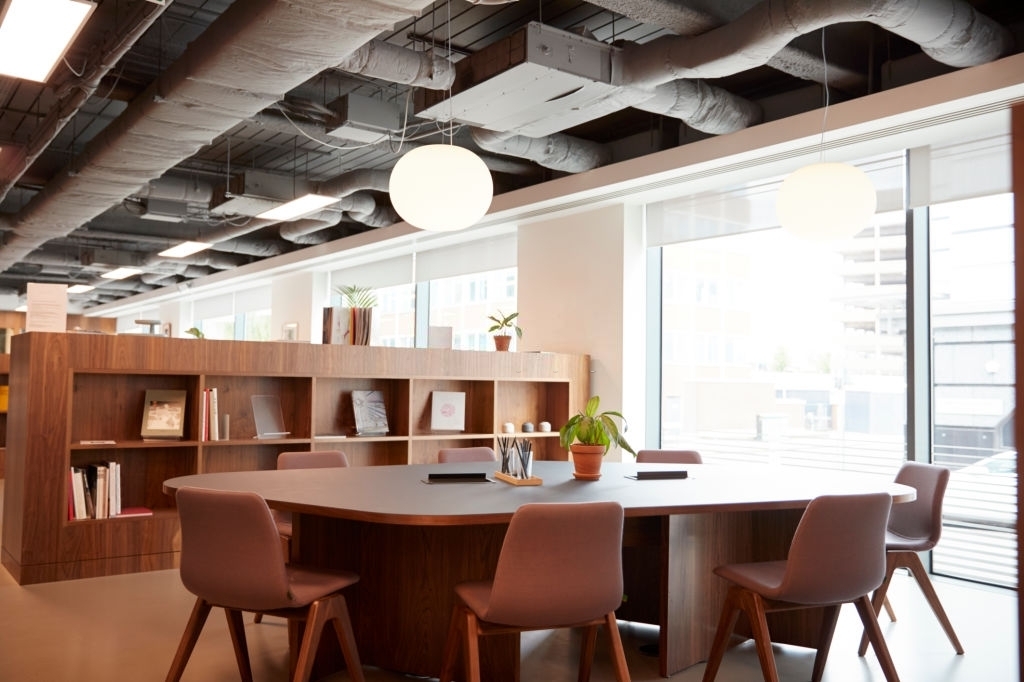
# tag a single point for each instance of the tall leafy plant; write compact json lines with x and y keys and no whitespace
{"x":591,"y":427}
{"x":355,"y":296}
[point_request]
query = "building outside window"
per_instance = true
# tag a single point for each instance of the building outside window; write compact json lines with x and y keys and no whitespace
{"x":464,"y":303}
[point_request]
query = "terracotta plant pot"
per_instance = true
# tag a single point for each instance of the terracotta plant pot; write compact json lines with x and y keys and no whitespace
{"x":502,"y":341}
{"x":586,"y":461}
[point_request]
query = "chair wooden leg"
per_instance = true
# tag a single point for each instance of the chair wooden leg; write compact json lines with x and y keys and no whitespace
{"x":828,"y":629}
{"x":618,"y":653}
{"x":874,"y":633}
{"x":346,"y":637}
{"x":451,"y":645}
{"x":236,"y":627}
{"x":913,"y":562}
{"x":879,"y":597}
{"x":258,"y":618}
{"x":188,"y":639}
{"x":315,"y":621}
{"x":587,"y":652}
{"x":726,"y":624}
{"x":888,"y":609}
{"x":752,"y":604}
{"x":471,"y":646}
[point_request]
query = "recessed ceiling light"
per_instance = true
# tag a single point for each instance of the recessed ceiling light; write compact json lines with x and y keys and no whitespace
{"x":121,"y":273}
{"x":184,"y":249}
{"x":23,"y":308}
{"x":297,"y":208}
{"x":35,"y":34}
{"x":80,"y":288}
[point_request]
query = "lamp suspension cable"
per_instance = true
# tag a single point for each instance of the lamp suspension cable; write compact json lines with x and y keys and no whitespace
{"x":826,"y":201}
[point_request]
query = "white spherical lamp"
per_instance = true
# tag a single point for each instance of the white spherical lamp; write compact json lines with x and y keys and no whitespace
{"x":826,"y":201}
{"x":441,"y":188}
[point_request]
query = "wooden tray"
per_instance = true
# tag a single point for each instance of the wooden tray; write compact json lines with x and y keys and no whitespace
{"x":512,"y":480}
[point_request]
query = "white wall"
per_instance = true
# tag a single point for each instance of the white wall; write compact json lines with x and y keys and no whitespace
{"x":299,"y":298}
{"x":581,"y":281}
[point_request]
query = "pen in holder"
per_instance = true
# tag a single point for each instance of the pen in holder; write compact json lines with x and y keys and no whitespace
{"x":508,"y":451}
{"x":525,"y":459}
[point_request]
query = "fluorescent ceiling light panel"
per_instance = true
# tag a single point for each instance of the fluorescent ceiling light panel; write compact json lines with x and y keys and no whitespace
{"x":23,"y":308}
{"x":80,"y":288}
{"x":298,"y":207}
{"x":35,"y":34}
{"x":184,"y":249}
{"x":121,"y":273}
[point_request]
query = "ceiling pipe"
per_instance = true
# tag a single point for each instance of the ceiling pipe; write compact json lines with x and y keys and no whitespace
{"x":558,"y":151}
{"x":694,"y":18}
{"x":950,"y":31}
{"x":74,"y":94}
{"x":378,"y":59}
{"x":244,"y":62}
{"x":703,"y":107}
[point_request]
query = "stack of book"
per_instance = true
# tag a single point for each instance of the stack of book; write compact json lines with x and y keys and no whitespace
{"x":94,"y":492}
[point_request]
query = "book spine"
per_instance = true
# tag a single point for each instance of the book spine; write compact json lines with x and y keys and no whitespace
{"x":214,"y":416}
{"x":78,"y":492}
{"x":102,"y":494}
{"x":204,"y":409}
{"x":87,"y":489}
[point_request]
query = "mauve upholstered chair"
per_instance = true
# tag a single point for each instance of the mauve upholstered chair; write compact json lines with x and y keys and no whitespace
{"x":669,"y":457}
{"x":473,"y":454}
{"x":837,"y":556}
{"x":915,"y":527}
{"x":560,"y":566}
{"x":231,"y":558}
{"x":320,"y":459}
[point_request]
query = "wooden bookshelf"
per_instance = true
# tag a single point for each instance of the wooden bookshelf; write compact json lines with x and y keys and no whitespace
{"x":70,"y":388}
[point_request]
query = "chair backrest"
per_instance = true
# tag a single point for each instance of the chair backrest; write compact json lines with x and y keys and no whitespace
{"x":669,"y":457}
{"x":559,"y":564}
{"x":838,"y":549}
{"x":320,"y":459}
{"x":473,"y":454}
{"x":921,"y":519}
{"x":230,"y":550}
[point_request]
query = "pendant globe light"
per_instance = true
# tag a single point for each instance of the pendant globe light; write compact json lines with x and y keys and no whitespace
{"x":441,"y":187}
{"x":826,"y":201}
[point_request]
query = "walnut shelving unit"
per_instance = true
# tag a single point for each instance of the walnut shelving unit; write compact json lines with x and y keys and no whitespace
{"x":67,"y":388}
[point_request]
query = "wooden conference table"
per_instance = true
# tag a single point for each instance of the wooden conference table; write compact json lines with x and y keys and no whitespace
{"x":411,"y":542}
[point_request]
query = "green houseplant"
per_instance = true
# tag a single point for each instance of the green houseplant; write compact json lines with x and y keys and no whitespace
{"x":588,"y":435}
{"x":504,"y":325}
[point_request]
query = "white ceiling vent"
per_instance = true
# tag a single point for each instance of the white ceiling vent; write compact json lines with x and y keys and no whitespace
{"x":537,"y":81}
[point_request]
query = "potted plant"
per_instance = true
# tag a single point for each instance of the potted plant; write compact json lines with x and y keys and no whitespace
{"x":350,"y":323}
{"x":504,"y":325}
{"x":588,"y":435}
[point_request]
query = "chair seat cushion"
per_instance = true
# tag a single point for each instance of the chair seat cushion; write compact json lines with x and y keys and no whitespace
{"x":306,"y":585}
{"x":894,"y":542}
{"x":476,"y":595}
{"x":764,"y":577}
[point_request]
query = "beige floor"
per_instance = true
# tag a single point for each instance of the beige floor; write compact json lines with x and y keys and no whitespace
{"x":126,"y":628}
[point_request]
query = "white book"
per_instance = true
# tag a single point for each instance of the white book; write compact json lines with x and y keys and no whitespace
{"x":214,"y":416}
{"x":102,"y":495}
{"x":78,"y":492}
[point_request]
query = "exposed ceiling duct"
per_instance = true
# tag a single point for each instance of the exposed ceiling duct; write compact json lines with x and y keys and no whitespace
{"x":148,"y":145}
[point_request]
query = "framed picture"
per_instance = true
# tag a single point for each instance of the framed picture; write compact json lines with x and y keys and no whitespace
{"x":448,"y":411}
{"x":370,"y":413}
{"x":163,"y":414}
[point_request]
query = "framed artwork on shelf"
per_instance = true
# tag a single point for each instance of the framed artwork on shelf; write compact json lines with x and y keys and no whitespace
{"x":163,"y":414}
{"x":370,"y":413}
{"x":448,"y":411}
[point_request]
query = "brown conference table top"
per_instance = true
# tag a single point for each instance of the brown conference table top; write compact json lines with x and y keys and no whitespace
{"x":399,"y":494}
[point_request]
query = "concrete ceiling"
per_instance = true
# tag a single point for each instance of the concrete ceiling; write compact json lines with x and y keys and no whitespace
{"x":184,"y":120}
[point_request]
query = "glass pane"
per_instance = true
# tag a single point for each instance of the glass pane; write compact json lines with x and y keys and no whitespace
{"x":972,"y":299}
{"x":222,"y":327}
{"x":782,"y":351}
{"x":394,"y":318}
{"x":465,"y":302}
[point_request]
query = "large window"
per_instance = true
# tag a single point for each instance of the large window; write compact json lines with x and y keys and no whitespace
{"x":464,"y":303}
{"x":780,"y":350}
{"x":776,"y":350}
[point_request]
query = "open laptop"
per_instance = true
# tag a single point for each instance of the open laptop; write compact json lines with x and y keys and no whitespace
{"x":266,"y":413}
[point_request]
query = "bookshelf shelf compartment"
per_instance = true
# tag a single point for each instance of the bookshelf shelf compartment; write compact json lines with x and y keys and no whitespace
{"x":69,"y":388}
